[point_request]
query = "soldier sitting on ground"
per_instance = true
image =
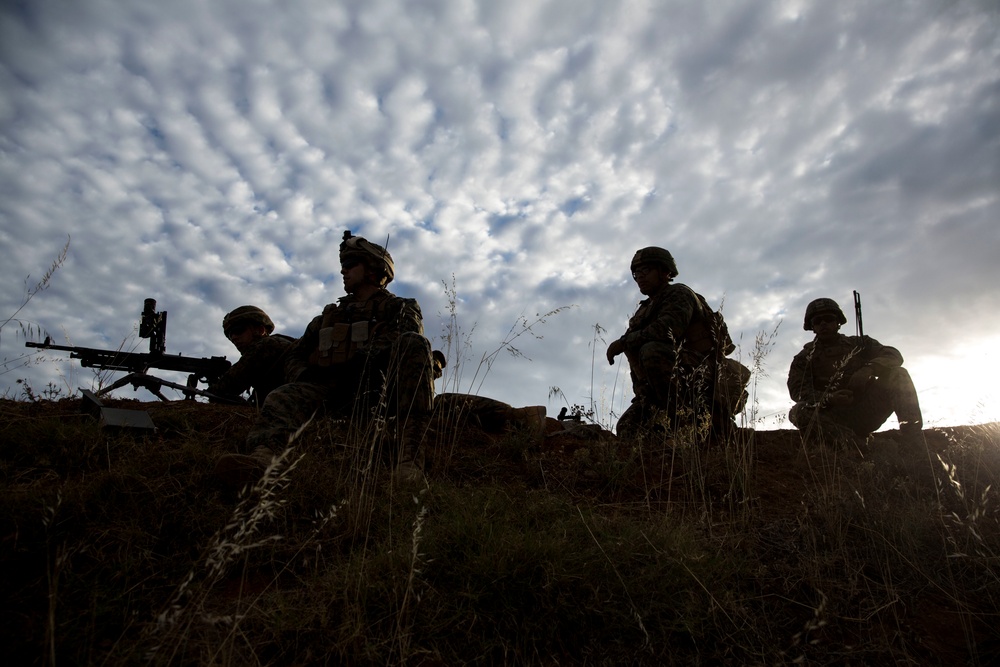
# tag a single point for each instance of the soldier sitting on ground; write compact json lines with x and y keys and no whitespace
{"x":365,"y":357}
{"x":845,"y":387}
{"x":261,"y":367}
{"x":676,"y":347}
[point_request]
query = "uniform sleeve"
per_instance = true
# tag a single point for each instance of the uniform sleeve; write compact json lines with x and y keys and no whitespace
{"x":402,"y":316}
{"x":668,"y":321}
{"x":881,"y":357}
{"x":252,"y":367}
{"x":235,"y":381}
{"x":410,"y":318}
{"x":800,"y":379}
{"x":297,"y":359}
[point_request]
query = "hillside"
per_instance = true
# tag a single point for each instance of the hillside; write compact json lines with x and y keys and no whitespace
{"x":577,"y":548}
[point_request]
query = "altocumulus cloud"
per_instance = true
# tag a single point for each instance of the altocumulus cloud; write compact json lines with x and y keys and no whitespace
{"x":211,"y":154}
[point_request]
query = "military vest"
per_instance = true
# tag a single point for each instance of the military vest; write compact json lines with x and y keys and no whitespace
{"x":348,"y":328}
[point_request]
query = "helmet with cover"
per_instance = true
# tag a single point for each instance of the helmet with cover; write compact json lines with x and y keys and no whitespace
{"x":438,"y":363}
{"x":373,"y":255}
{"x":246,"y":315}
{"x":823,"y":305}
{"x":655,"y":256}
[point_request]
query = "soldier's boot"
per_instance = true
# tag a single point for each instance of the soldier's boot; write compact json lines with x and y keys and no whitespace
{"x":724,"y":427}
{"x":821,"y":432}
{"x":906,"y":405}
{"x":911,"y":439}
{"x":853,"y":445}
{"x":630,"y":422}
{"x":644,"y":421}
{"x":530,"y":419}
{"x":411,"y":461}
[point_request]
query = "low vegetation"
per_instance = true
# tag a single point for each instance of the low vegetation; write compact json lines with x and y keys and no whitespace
{"x":574,"y":548}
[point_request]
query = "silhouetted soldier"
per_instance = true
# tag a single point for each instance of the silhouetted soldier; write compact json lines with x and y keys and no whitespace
{"x":364,"y":356}
{"x":261,"y":367}
{"x":676,"y":347}
{"x":845,"y":387}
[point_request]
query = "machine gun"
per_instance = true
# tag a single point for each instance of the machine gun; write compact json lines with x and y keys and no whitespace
{"x":152,"y":325}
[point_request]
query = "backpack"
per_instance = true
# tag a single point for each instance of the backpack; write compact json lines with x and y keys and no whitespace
{"x":708,"y":332}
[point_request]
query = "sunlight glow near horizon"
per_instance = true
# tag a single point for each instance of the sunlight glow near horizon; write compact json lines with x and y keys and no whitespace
{"x":959,"y":390}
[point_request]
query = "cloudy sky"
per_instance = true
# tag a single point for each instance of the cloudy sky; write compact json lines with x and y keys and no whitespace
{"x":515,"y":154}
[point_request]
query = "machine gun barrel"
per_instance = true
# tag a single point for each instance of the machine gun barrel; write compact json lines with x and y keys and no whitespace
{"x":206,"y":368}
{"x":153,"y":325}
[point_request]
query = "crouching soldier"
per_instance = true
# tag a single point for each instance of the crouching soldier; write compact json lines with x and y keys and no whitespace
{"x":364,"y":357}
{"x":261,"y":367}
{"x":845,"y":387}
{"x":676,"y":347}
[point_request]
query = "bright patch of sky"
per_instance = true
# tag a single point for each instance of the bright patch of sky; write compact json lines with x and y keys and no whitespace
{"x":211,"y":155}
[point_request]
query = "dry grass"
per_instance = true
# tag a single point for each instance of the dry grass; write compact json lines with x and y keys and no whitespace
{"x":583,"y":550}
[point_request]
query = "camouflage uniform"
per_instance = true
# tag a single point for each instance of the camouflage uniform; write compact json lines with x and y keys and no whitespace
{"x":668,"y":370}
{"x":676,"y":346}
{"x":261,"y":367}
{"x":347,"y":358}
{"x":822,"y":368}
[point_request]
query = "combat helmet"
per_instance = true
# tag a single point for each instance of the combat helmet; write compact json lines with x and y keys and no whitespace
{"x":246,"y":315}
{"x":372,"y":254}
{"x":823,"y":305}
{"x":654,"y":255}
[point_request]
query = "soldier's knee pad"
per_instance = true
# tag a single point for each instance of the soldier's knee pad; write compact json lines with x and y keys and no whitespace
{"x":413,"y":338}
{"x":801,"y":414}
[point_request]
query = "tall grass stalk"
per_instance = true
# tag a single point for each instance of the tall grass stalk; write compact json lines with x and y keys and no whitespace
{"x":405,"y":615}
{"x":258,"y":506}
{"x":27,"y":329}
{"x":458,"y":344}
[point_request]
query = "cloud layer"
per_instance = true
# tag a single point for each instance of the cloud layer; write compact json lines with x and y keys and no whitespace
{"x":212,"y":154}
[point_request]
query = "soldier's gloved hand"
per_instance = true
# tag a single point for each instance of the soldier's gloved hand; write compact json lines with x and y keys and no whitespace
{"x":839,"y":398}
{"x":861,"y":379}
{"x":616,"y":348}
{"x":879,"y":369}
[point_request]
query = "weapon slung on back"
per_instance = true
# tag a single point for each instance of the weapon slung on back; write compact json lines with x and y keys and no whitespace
{"x":857,"y":313}
{"x":857,"y":320}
